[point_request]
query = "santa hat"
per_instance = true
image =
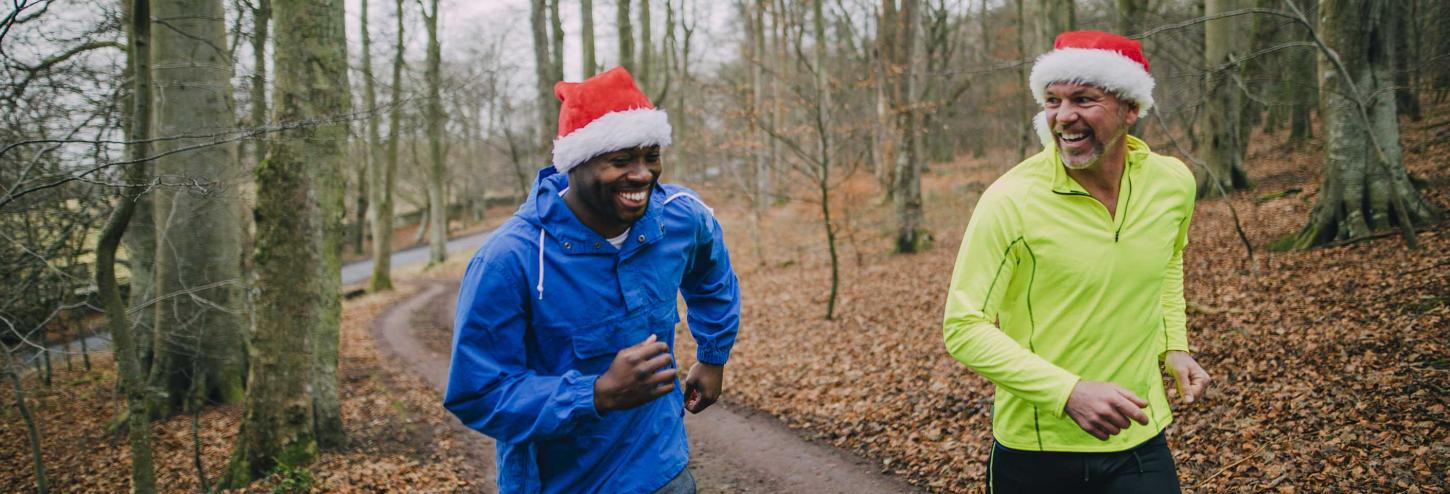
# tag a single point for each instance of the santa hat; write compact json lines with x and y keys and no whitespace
{"x":605,"y":113}
{"x":1101,"y":59}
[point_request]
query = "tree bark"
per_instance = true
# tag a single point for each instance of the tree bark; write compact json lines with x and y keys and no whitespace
{"x":33,"y":433}
{"x":1130,"y":16}
{"x":1365,"y":186}
{"x":295,"y":286}
{"x":626,"y":35}
{"x":328,"y":96}
{"x":1407,"y":96}
{"x":437,"y":194}
{"x":137,"y":113}
{"x":586,"y":13}
{"x":1223,"y":151}
{"x":911,"y":235}
{"x":556,"y":30}
{"x":382,"y":279}
{"x":646,"y":48}
{"x":823,"y":130}
{"x":548,"y":109}
{"x":374,"y":167}
{"x":198,"y":245}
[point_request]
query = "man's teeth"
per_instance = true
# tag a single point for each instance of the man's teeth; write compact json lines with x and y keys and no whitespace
{"x":633,"y":196}
{"x":1066,"y":136}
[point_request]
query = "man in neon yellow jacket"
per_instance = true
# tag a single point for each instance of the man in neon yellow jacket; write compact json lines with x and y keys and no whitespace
{"x":1068,"y":290}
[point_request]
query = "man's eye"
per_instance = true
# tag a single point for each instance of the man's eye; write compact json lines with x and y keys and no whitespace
{"x":652,"y":157}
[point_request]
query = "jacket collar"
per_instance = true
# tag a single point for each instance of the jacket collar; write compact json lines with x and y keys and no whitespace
{"x":1063,"y":183}
{"x":570,"y":235}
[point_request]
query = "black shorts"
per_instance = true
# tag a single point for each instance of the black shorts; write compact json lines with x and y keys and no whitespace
{"x":1145,"y":469}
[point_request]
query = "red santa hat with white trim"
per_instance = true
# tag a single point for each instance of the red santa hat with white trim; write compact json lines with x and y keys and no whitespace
{"x":1101,"y":59}
{"x":602,"y":114}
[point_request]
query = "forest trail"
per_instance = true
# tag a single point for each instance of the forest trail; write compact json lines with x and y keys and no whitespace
{"x":733,"y":449}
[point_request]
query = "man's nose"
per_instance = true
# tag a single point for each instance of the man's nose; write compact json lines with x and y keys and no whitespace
{"x":639,"y":171}
{"x":1066,"y":113}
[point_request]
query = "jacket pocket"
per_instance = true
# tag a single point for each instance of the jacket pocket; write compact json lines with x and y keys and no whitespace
{"x":610,"y":337}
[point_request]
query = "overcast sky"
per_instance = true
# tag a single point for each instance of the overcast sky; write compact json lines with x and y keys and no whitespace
{"x":475,"y":21}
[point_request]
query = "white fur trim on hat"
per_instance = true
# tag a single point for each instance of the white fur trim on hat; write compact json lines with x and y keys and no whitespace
{"x":1104,"y":68}
{"x":612,"y":132}
{"x":1044,"y":134}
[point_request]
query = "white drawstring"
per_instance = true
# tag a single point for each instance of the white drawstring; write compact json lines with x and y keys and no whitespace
{"x":677,"y":195}
{"x":540,"y":288}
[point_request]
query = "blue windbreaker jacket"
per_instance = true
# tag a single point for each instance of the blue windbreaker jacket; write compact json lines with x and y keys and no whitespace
{"x":542,"y":310}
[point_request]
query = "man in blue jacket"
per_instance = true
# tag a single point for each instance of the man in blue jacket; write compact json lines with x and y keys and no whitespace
{"x":564,"y":335}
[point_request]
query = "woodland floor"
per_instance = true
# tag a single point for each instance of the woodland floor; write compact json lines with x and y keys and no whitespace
{"x":1330,"y":366}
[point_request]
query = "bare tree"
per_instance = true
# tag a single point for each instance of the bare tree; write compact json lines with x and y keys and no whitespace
{"x":586,"y":13}
{"x":1365,"y":186}
{"x":626,"y":36}
{"x":911,"y":234}
{"x":1223,"y":152}
{"x":437,"y":195}
{"x":293,"y":212}
{"x":198,"y":256}
{"x":382,"y":278}
{"x":548,"y":106}
{"x":137,"y":120}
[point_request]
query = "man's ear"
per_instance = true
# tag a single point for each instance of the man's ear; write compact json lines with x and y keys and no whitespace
{"x":1132,"y":116}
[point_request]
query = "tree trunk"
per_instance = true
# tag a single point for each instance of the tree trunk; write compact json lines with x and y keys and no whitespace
{"x":646,"y":48}
{"x":295,"y":280}
{"x":437,"y":195}
{"x":626,"y":35}
{"x":911,"y":235}
{"x":41,"y":486}
{"x":328,"y":97}
{"x":382,"y":279}
{"x":586,"y":13}
{"x":1130,"y":16}
{"x":547,"y":103}
{"x":1365,"y":186}
{"x":556,"y":30}
{"x":261,"y":16}
{"x":823,"y":130}
{"x":198,"y":245}
{"x":1407,"y":97}
{"x":885,"y":131}
{"x":136,"y":119}
{"x":374,"y":168}
{"x":1223,"y":153}
{"x":1052,"y":17}
{"x":1302,"y":86}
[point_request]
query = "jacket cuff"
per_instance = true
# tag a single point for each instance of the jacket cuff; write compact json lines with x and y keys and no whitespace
{"x":1059,"y":399}
{"x":711,"y":356}
{"x":581,"y":388}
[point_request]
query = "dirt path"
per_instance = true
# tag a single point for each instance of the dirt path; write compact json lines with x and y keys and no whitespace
{"x":733,"y":449}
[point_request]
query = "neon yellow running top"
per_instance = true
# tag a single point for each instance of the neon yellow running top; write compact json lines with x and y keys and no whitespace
{"x":1075,"y":293}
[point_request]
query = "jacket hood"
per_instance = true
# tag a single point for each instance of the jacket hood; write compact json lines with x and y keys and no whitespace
{"x":547,"y":181}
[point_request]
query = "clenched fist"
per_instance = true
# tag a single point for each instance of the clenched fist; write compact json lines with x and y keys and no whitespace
{"x":637,"y":376}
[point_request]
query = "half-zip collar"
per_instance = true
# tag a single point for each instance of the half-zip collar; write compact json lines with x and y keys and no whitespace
{"x":1063,"y":184}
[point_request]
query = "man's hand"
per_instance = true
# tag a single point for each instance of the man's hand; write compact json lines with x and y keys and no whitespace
{"x":1104,"y":409}
{"x":636,"y":377}
{"x":1190,"y":378}
{"x":702,"y":386}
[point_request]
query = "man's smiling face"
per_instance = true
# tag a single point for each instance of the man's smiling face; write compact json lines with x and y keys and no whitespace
{"x":1086,"y":121}
{"x":615,"y":187}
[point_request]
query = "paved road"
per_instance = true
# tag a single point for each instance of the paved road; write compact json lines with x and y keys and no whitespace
{"x":353,"y":272}
{"x":359,"y":271}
